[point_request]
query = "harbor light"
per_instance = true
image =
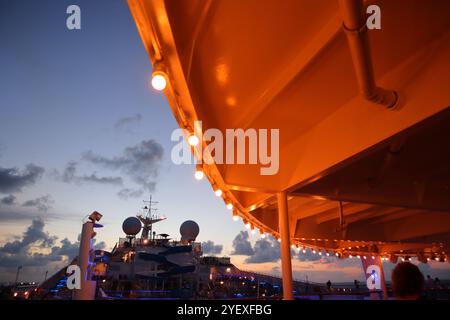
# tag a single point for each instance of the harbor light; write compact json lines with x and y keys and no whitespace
{"x":158,"y":81}
{"x":193,"y":140}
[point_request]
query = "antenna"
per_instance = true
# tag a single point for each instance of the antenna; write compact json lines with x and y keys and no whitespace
{"x":149,"y":217}
{"x":150,"y":211}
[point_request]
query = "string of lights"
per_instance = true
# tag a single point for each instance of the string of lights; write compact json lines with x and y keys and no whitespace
{"x":159,"y":82}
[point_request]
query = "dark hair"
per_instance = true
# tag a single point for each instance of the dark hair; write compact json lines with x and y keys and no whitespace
{"x":407,"y":280}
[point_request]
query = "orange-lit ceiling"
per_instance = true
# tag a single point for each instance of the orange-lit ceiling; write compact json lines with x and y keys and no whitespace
{"x":287,"y":65}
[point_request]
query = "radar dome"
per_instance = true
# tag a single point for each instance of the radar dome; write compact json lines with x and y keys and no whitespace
{"x":189,"y":230}
{"x":131,"y":226}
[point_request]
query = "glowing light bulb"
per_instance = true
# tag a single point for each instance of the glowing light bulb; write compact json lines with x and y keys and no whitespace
{"x":314,"y":251}
{"x":320,"y":253}
{"x":229,"y":206}
{"x":218,"y":192}
{"x":304,"y":251}
{"x":350,"y":256}
{"x":253,"y":231}
{"x":158,"y":82}
{"x":336,"y":254}
{"x":248,"y":225}
{"x":236,"y":218}
{"x":263,"y":235}
{"x":279,"y":239}
{"x":199,"y":175}
{"x":193,"y":140}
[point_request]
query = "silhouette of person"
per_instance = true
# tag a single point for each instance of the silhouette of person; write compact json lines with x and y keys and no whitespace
{"x":407,"y":281}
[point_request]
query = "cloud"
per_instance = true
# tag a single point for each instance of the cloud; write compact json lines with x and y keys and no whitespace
{"x":14,"y":215}
{"x":209,"y":247}
{"x":123,"y":122}
{"x":241,"y":245}
{"x":8,"y":200}
{"x":43,"y":203}
{"x":34,"y":233}
{"x":13,"y":180}
{"x":27,"y":251}
{"x":126,"y":193}
{"x":265,"y":250}
{"x":140,"y":162}
{"x":69,"y":175}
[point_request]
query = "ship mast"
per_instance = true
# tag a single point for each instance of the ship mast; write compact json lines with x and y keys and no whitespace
{"x":149,"y":217}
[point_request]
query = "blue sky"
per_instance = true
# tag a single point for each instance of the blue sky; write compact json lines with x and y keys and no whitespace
{"x":64,"y":93}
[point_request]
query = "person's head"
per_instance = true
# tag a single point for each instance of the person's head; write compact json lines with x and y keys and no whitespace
{"x":407,"y":281}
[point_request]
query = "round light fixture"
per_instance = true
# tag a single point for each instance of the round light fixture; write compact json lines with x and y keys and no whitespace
{"x":193,"y":140}
{"x":199,"y":174}
{"x":158,"y":81}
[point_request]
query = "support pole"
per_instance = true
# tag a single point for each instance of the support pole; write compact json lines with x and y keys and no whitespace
{"x":285,"y":246}
{"x":87,"y":291}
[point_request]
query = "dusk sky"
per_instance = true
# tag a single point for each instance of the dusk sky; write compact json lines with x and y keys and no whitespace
{"x":81,"y":130}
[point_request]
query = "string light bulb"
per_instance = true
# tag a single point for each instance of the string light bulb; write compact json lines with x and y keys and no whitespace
{"x":235,"y":215}
{"x":199,"y":174}
{"x":193,"y":140}
{"x":229,"y":206}
{"x":159,"y":81}
{"x":218,"y":193}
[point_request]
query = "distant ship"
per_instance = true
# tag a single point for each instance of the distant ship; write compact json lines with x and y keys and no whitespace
{"x":148,"y":265}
